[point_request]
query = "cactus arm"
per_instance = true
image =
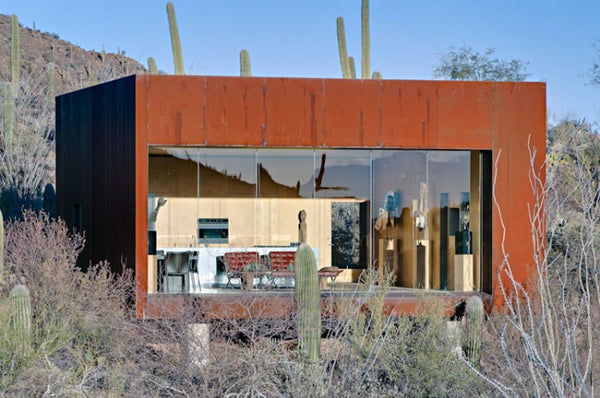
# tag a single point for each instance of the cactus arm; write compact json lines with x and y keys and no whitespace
{"x":365,"y":66}
{"x":175,"y":40}
{"x":153,"y":70}
{"x":245,"y":69}
{"x":377,"y":75}
{"x":352,"y":67}
{"x":343,"y":50}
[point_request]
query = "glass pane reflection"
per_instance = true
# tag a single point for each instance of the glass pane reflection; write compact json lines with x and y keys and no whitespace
{"x":407,"y":212}
{"x":285,"y":173}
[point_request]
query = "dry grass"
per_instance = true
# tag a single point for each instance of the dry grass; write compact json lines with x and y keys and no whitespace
{"x":86,"y":342}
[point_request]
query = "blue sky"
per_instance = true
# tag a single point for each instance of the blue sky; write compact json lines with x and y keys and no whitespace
{"x":298,"y":37}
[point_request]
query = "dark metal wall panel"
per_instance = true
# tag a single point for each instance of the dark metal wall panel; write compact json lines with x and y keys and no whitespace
{"x":95,"y":169}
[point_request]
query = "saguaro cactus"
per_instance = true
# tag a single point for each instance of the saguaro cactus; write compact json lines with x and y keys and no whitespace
{"x":175,"y":41}
{"x":15,"y":50}
{"x":152,"y":66}
{"x":343,"y":50}
{"x":474,"y":327}
{"x":365,"y":39}
{"x":245,"y":70}
{"x":21,"y":317}
{"x":9,"y":116}
{"x":348,"y":67}
{"x":308,"y":303}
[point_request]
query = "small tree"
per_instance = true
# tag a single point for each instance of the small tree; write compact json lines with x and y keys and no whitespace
{"x":465,"y":64}
{"x":595,"y":71}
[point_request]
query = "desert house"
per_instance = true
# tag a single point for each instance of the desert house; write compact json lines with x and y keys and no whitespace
{"x":393,"y":174}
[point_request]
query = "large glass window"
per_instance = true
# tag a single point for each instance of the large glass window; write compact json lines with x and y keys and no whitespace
{"x":414,"y":214}
{"x":343,"y":187}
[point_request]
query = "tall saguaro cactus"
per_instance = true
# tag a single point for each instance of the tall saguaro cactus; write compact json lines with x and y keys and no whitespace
{"x":15,"y":50}
{"x":8,"y":103}
{"x":21,"y":317}
{"x":245,"y":70}
{"x":474,"y":328}
{"x":343,"y":49}
{"x":308,"y":303}
{"x":365,"y":39}
{"x":175,"y":41}
{"x":347,"y":63}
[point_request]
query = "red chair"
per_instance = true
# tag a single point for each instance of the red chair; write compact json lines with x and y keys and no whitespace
{"x":235,"y":262}
{"x":280,"y":265}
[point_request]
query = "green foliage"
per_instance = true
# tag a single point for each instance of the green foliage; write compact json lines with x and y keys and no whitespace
{"x":473,"y":330}
{"x":465,"y":64}
{"x":308,"y":303}
{"x":152,"y":66}
{"x":21,"y":318}
{"x":365,"y":66}
{"x":343,"y":49}
{"x":245,"y":70}
{"x":175,"y":41}
{"x":397,"y":356}
{"x":15,"y":51}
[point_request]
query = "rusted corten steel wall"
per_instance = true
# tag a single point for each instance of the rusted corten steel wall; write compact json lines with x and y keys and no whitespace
{"x":286,"y":112}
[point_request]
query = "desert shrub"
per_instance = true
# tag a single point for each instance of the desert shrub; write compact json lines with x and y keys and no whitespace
{"x":87,"y":342}
{"x":546,"y":342}
{"x":78,"y":317}
{"x":364,"y":353}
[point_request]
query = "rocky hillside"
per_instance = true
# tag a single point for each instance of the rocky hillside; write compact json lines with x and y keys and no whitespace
{"x":74,"y":67}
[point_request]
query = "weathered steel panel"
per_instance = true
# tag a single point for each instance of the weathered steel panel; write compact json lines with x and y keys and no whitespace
{"x":96,"y":129}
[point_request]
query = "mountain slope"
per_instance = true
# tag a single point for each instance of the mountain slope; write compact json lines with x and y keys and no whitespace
{"x":74,"y":67}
